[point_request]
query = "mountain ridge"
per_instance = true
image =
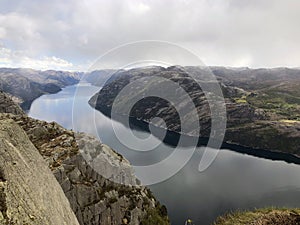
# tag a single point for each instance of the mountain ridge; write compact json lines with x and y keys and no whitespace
{"x":25,"y":85}
{"x":263,"y":110}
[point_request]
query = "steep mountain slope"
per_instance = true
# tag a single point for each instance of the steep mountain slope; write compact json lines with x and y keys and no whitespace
{"x":7,"y":105}
{"x":25,"y":85}
{"x":93,"y":197}
{"x":263,"y":108}
{"x":29,"y":193}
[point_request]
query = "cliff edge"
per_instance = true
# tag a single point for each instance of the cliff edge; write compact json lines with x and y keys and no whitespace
{"x":95,"y":198}
{"x":265,"y":216}
{"x":29,"y":193}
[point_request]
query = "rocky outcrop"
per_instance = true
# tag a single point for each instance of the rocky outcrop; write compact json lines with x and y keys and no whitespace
{"x":270,"y":216}
{"x":90,"y":174}
{"x":29,"y":193}
{"x":7,"y":105}
{"x":25,"y":85}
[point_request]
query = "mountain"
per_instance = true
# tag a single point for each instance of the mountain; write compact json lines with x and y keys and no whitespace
{"x":98,"y":77}
{"x":29,"y":193}
{"x":7,"y":105}
{"x":25,"y":85}
{"x":262,"y":105}
{"x":44,"y":173}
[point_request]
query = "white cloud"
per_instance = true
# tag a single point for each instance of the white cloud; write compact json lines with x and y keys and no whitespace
{"x":256,"y":33}
{"x":2,"y":33}
{"x":46,"y":63}
{"x":9,"y":58}
{"x":138,"y":7}
{"x":21,"y":31}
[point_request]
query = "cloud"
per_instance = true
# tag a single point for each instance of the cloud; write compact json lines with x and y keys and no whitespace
{"x":9,"y":58}
{"x":257,"y":33}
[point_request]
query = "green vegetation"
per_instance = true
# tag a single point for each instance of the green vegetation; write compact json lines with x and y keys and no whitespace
{"x":156,"y":216}
{"x":241,"y":100}
{"x":269,"y":216}
{"x":279,"y":101}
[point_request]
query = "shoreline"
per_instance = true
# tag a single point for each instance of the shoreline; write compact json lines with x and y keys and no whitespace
{"x":171,"y":138}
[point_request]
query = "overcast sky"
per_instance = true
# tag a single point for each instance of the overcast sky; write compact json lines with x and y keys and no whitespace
{"x":71,"y":34}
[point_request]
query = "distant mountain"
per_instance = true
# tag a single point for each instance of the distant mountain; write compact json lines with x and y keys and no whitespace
{"x":98,"y":77}
{"x":25,"y":85}
{"x":263,"y":105}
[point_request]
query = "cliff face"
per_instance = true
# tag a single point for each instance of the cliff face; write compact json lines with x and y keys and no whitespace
{"x":7,"y":105}
{"x":29,"y":193}
{"x":93,"y":197}
{"x":112,"y":195}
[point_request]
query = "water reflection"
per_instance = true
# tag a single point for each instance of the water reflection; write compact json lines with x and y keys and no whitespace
{"x":233,"y":181}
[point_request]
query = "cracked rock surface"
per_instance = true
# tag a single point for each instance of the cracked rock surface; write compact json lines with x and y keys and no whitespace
{"x":98,"y":182}
{"x":29,"y":193}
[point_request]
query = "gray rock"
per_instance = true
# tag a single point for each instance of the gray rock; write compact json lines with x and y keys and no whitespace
{"x":7,"y":105}
{"x":93,"y":195}
{"x":29,"y":192}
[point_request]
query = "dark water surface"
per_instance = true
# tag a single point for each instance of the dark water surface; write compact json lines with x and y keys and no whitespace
{"x":234,"y":181}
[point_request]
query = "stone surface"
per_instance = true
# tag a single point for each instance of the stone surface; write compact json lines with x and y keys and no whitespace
{"x":7,"y":105}
{"x":94,"y":195}
{"x":29,"y":193}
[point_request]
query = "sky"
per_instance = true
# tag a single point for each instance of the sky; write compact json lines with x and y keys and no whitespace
{"x":72,"y":34}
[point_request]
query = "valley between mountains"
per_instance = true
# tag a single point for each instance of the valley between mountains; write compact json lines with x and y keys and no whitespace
{"x":262,"y":113}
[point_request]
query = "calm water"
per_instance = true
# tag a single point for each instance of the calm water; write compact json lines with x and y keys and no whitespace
{"x":233,"y":181}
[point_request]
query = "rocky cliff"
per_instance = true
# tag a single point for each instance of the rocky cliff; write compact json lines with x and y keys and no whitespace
{"x":7,"y":105}
{"x":29,"y":193}
{"x":96,"y":198}
{"x":101,"y":189}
